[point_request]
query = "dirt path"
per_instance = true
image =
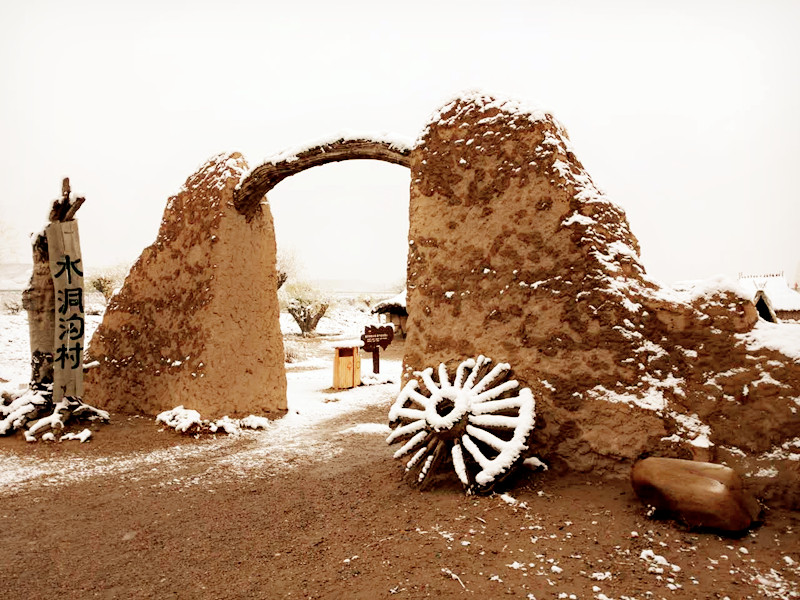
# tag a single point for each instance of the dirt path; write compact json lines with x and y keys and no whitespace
{"x":327,"y":516}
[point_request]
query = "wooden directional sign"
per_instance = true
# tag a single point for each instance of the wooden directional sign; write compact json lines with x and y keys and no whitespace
{"x":377,"y":336}
{"x":374,"y":339}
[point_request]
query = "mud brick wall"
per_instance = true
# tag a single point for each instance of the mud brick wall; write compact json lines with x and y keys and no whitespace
{"x":514,"y":253}
{"x":197,"y":320}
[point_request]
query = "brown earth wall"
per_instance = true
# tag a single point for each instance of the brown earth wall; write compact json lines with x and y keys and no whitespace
{"x":516,"y":255}
{"x":197,"y":320}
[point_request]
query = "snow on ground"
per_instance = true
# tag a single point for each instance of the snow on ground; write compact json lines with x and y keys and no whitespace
{"x":15,"y":358}
{"x":297,"y":438}
{"x":369,"y":428}
{"x":313,"y":431}
{"x":292,"y":440}
{"x":15,"y":361}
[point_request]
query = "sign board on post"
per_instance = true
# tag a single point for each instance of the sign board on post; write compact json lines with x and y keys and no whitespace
{"x":374,"y":339}
{"x":67,"y":270}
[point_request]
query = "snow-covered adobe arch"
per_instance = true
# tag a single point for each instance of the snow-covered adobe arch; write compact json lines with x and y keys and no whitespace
{"x":197,"y":321}
{"x":513,"y":253}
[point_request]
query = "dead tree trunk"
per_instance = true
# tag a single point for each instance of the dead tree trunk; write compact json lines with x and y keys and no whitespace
{"x":307,"y":316}
{"x":39,"y":300}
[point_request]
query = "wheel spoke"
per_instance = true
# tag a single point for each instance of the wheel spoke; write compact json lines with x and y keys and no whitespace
{"x":480,"y":362}
{"x":404,"y":430}
{"x":495,"y":392}
{"x":458,"y":464}
{"x":487,"y":438}
{"x":498,"y":421}
{"x":411,"y":444}
{"x":444,"y":381}
{"x":428,"y":380}
{"x":491,"y":376}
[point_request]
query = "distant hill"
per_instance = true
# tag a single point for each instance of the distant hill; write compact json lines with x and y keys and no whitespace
{"x":14,"y":277}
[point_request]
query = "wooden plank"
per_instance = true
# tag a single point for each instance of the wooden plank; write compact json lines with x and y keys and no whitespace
{"x":66,"y":268}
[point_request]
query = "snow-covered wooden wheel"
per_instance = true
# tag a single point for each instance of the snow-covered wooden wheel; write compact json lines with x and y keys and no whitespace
{"x":476,"y":419}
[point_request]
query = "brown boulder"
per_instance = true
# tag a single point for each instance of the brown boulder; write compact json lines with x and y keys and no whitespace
{"x":197,"y":320}
{"x":699,"y":493}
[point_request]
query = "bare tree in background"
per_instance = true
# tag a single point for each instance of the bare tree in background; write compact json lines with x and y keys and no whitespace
{"x":108,"y":280}
{"x":306,"y":304}
{"x":287,"y":266}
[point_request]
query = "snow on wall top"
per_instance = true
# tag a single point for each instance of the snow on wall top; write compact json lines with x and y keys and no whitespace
{"x":485,"y":102}
{"x":689,"y":291}
{"x":393,"y":140}
{"x":214,"y":172}
{"x":776,"y":288}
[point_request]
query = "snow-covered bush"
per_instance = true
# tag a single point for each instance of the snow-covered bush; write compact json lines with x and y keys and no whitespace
{"x":104,"y":285}
{"x":185,"y":420}
{"x":108,"y":280}
{"x":305,"y":303}
{"x":292,"y":352}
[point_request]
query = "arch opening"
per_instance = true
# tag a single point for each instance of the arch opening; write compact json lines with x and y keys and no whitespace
{"x":344,"y":226}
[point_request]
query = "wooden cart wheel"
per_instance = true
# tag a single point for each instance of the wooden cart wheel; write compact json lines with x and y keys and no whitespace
{"x":475,"y":419}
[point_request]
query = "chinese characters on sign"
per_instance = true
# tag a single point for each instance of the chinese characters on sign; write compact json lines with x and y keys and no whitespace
{"x":374,"y":339}
{"x":67,"y":271}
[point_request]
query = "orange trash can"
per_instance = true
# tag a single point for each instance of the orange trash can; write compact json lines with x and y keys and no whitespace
{"x":347,"y":365}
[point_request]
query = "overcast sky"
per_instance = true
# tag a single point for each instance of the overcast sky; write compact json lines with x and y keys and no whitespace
{"x":686,"y":113}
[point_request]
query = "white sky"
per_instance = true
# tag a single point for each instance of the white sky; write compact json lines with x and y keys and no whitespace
{"x":686,"y":113}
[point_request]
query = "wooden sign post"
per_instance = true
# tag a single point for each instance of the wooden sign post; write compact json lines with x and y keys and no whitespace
{"x":374,"y":339}
{"x":66,"y":269}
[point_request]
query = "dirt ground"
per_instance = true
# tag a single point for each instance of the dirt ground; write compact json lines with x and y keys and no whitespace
{"x":140,"y":512}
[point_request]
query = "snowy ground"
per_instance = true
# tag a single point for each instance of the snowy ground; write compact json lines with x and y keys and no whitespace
{"x":314,"y":507}
{"x":285,"y":442}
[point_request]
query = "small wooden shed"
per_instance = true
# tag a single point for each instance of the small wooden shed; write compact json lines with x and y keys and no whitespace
{"x":775,"y":300}
{"x":393,"y":310}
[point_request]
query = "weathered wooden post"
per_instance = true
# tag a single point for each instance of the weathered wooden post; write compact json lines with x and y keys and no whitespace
{"x":54,"y":301}
{"x":39,"y":299}
{"x":374,"y":339}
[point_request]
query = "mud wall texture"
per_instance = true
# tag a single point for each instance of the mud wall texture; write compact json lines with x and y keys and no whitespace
{"x":516,"y":255}
{"x":197,"y":320}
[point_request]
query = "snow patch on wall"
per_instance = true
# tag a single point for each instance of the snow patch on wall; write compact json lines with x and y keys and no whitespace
{"x":650,"y":399}
{"x":782,"y":337}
